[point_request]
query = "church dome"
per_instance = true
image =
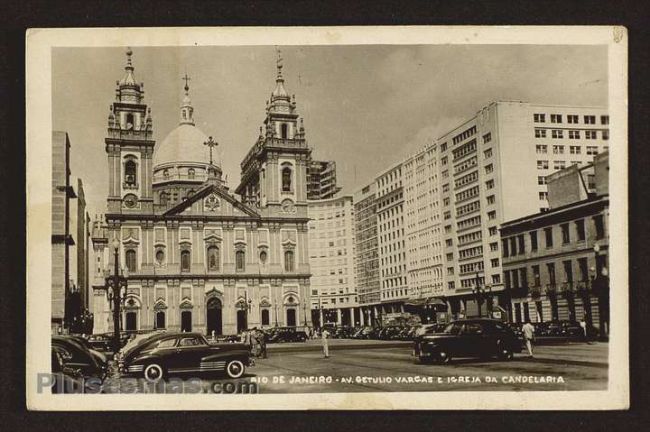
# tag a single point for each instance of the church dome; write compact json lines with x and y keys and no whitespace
{"x":185,"y":144}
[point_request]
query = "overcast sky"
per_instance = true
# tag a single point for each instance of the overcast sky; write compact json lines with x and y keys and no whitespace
{"x":365,"y":107}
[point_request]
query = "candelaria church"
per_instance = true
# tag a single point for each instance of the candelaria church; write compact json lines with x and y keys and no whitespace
{"x":196,"y":256}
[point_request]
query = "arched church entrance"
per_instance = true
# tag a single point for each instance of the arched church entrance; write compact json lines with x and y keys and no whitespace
{"x":214,"y":318}
{"x":291,"y":317}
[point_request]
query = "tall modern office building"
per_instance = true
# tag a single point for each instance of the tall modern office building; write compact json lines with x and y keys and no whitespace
{"x":424,"y":251}
{"x":367,"y":250}
{"x":492,"y":168}
{"x":331,"y":258}
{"x":392,"y":239}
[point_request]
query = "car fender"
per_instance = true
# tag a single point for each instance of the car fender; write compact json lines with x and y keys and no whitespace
{"x":144,"y":359}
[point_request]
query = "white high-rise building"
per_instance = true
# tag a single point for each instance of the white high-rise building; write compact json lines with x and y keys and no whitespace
{"x":492,"y":168}
{"x":424,"y":250}
{"x":331,"y":258}
{"x":392,"y":239}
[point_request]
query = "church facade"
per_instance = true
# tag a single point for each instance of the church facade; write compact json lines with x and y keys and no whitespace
{"x":196,"y":256}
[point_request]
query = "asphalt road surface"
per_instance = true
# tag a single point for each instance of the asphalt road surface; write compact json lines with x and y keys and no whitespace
{"x":571,"y":366}
{"x":376,"y":366}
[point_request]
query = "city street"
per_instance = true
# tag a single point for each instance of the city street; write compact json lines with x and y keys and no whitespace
{"x":581,"y":367}
{"x":367,"y":366}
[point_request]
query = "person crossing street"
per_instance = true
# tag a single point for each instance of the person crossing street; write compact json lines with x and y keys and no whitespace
{"x":324,"y":336}
{"x":529,"y":337}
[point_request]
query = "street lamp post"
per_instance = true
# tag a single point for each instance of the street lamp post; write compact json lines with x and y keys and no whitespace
{"x":116,"y":291}
{"x":245,"y":306}
{"x":304,"y":311}
{"x":478,"y":292}
{"x":600,"y":283}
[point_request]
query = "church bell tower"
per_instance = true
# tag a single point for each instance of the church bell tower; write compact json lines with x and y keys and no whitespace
{"x":129,"y":146}
{"x":274,"y":172}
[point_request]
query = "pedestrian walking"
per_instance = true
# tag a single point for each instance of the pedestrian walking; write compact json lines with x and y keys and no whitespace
{"x":324,"y":336}
{"x":529,"y":337}
{"x":583,"y":326}
{"x":261,"y":338}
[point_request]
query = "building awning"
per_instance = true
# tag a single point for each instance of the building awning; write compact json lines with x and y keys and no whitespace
{"x":436,"y":302}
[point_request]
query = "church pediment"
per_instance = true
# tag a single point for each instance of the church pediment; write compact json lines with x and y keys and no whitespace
{"x":212,"y":201}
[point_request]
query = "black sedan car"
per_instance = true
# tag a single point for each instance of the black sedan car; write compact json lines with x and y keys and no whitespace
{"x":286,"y":334}
{"x":171,"y":353}
{"x":468,"y":338}
{"x":77,"y":357}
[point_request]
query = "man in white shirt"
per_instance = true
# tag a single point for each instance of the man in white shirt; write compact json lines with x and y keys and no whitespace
{"x":324,"y":335}
{"x":529,"y":337}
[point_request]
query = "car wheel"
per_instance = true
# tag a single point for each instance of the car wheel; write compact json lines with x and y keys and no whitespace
{"x":235,"y":369}
{"x":444,"y":357}
{"x":153,"y":372}
{"x":503,"y":352}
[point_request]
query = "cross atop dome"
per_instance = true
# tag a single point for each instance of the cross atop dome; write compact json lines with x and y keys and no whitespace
{"x":187,"y":80}
{"x":187,"y":110}
{"x":279,"y":63}
{"x":280,"y":93}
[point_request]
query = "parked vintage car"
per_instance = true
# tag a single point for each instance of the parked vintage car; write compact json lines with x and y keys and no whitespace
{"x":286,"y":334}
{"x":468,"y":338}
{"x":77,"y":357}
{"x":166,"y":354}
{"x":65,"y":379}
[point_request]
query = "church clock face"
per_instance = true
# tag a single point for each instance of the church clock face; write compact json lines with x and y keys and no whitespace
{"x":130,"y":200}
{"x":288,"y":206}
{"x":212,"y":202}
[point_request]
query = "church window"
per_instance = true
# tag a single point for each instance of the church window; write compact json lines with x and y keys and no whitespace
{"x":164,"y":198}
{"x":191,"y":173}
{"x":288,"y":261}
{"x":160,"y":256}
{"x":213,"y":258}
{"x":263,"y":257}
{"x":129,"y":121}
{"x":130,"y":175}
{"x":240,"y":259}
{"x":185,"y":260}
{"x":284,"y":131}
{"x":131,"y":260}
{"x":166,"y":173}
{"x":286,"y":179}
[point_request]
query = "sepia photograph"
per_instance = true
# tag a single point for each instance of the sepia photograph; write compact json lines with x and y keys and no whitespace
{"x":327,"y":218}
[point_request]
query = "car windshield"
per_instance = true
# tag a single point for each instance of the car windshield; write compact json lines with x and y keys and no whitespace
{"x":136,"y":341}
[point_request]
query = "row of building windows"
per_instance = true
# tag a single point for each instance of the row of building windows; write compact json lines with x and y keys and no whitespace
{"x":466,"y":179}
{"x":465,"y":149}
{"x":467,"y":194}
{"x":573,"y":134}
{"x":516,"y":245}
{"x":571,"y":118}
{"x":518,"y":278}
{"x":213,"y":260}
{"x":468,"y":208}
{"x":464,"y":135}
{"x":464,"y":166}
{"x":470,"y":252}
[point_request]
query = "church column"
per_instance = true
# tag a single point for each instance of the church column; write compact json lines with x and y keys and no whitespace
{"x":301,"y":178}
{"x":272,"y":175}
